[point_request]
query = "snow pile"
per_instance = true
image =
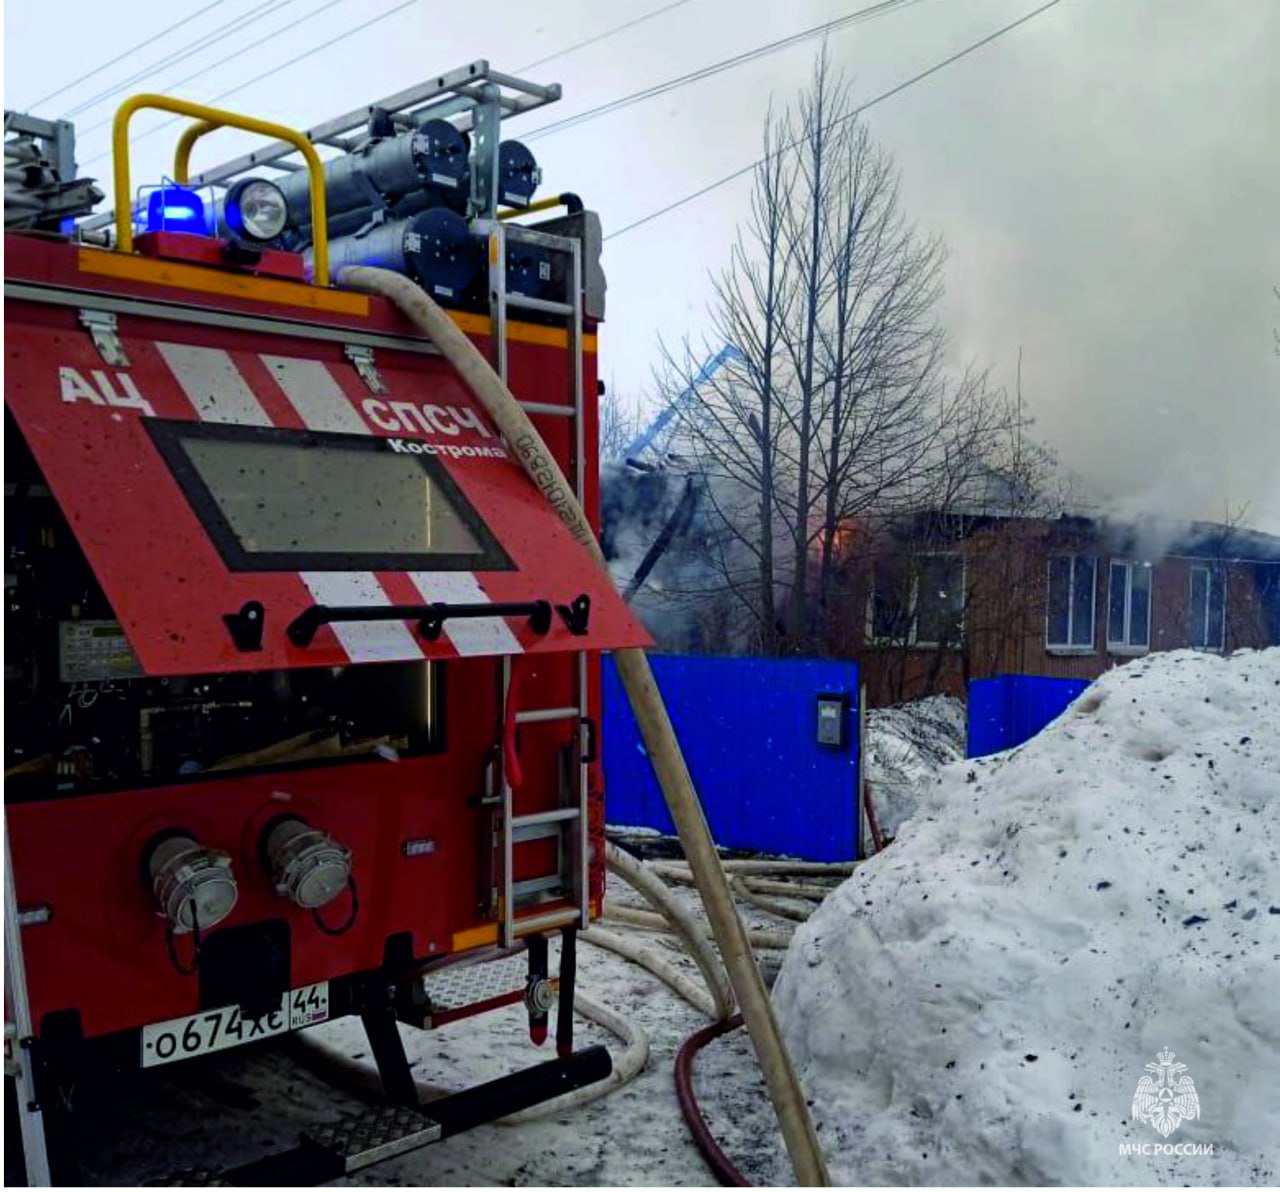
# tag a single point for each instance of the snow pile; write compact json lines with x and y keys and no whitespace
{"x":906,"y":746}
{"x":978,"y":1004}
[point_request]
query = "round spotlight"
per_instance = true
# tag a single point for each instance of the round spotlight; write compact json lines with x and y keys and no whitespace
{"x":193,"y":885}
{"x":256,"y":209}
{"x":307,"y":866}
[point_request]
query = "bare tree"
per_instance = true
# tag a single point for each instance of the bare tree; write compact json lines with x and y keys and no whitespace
{"x":821,"y":145}
{"x":731,"y":425}
{"x":840,"y":406}
{"x":619,"y":424}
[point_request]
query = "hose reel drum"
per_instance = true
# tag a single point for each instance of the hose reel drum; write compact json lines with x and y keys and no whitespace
{"x":422,"y":169}
{"x":433,"y":158}
{"x":435,"y":247}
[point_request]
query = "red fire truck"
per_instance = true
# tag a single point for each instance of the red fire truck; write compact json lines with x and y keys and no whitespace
{"x":301,"y":671}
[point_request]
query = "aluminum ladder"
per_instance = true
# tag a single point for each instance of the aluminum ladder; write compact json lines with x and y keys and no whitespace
{"x":19,"y":1034}
{"x":518,"y":913}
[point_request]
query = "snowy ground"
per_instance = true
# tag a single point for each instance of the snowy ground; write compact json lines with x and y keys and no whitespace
{"x":906,"y":746}
{"x":239,"y":1105}
{"x":978,"y":1003}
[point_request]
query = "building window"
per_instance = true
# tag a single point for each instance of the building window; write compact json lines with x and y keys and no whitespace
{"x":889,"y":614}
{"x":1129,"y":607}
{"x":939,"y":600}
{"x":918,"y":605}
{"x":1069,"y":617}
{"x":1208,"y":608}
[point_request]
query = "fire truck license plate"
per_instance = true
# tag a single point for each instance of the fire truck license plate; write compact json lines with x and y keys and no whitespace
{"x":216,"y":1030}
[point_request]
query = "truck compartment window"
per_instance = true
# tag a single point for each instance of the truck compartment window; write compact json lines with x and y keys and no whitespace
{"x":284,"y":500}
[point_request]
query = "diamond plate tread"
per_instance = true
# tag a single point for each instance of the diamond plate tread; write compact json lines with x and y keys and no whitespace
{"x":378,"y":1134}
{"x":466,"y":985}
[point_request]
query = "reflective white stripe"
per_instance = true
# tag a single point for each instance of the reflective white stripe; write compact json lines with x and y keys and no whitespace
{"x":490,"y":635}
{"x":316,"y":396}
{"x":213,"y":385}
{"x":364,"y":641}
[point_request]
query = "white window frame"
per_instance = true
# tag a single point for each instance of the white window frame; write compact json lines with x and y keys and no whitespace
{"x":1123,"y":647}
{"x":1069,"y":647}
{"x":913,"y":607}
{"x":1211,"y":574}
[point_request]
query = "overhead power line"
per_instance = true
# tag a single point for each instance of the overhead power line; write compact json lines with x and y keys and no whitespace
{"x":364,"y":25}
{"x":232,"y":27}
{"x":582,"y":45}
{"x":142,"y":45}
{"x":253,"y":45}
{"x":882,"y":8}
{"x":382,"y":16}
{"x":324,"y":45}
{"x":911,"y":82}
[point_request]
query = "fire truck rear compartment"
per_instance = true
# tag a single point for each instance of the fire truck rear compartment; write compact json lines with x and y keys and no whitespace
{"x":388,"y":760}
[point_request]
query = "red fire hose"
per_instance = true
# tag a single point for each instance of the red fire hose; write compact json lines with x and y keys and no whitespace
{"x":720,"y":1163}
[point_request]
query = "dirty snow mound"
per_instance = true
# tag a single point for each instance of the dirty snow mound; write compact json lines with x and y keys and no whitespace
{"x":978,"y":1004}
{"x":906,"y":747}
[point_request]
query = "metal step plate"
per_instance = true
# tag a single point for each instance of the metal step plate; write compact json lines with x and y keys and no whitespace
{"x":460,"y":986}
{"x":368,"y":1138}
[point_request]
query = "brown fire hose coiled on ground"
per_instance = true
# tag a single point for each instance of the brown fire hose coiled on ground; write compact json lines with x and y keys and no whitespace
{"x":717,"y":1160}
{"x":651,"y":715}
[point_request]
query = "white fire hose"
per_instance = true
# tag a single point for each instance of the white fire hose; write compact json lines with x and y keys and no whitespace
{"x":660,"y":897}
{"x":363,"y":1080}
{"x":650,"y":713}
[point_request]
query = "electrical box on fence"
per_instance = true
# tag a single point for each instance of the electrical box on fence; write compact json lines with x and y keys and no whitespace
{"x":833,"y":721}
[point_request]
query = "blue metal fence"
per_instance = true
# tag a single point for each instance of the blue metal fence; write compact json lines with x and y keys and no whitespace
{"x":748,"y":728}
{"x":1010,"y":709}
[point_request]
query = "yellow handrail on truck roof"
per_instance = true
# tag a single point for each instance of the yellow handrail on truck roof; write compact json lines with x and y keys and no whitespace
{"x":182,"y":154}
{"x":210,"y":119}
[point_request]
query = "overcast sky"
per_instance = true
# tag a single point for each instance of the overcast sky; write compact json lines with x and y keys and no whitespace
{"x":1106,"y":177}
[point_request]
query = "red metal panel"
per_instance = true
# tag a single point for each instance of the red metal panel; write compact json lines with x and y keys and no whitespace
{"x":106,"y":956}
{"x":208,"y":250}
{"x":168,"y":584}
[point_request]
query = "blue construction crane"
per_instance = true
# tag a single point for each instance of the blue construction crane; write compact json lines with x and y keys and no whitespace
{"x":704,"y":374}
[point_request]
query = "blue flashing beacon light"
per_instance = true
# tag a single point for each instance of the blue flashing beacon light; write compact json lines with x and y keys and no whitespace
{"x":175,"y":209}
